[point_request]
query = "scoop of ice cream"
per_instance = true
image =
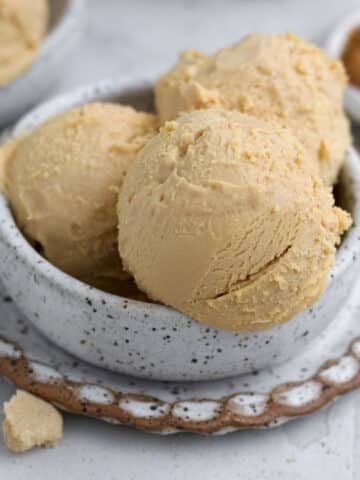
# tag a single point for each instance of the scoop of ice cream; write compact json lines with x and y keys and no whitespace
{"x":23,"y":25}
{"x":63,"y":181}
{"x":273,"y":77}
{"x":221,"y":218}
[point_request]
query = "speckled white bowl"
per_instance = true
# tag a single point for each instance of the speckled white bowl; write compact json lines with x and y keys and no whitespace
{"x":150,"y":340}
{"x":66,"y":19}
{"x":334,"y":46}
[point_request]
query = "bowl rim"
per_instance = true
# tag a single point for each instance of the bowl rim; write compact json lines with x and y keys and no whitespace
{"x":335,"y":41}
{"x":103,"y":91}
{"x":72,"y":14}
{"x":334,"y":46}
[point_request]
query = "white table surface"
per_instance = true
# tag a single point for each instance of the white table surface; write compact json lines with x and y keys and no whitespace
{"x":142,"y":36}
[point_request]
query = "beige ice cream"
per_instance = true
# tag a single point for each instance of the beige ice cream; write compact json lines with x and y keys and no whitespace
{"x":221,"y":218}
{"x":278,"y":78}
{"x":63,"y":181}
{"x":23,"y":25}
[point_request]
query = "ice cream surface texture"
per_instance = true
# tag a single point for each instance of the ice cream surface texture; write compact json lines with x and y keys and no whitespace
{"x":23,"y":25}
{"x":63,"y":180}
{"x":221,"y":218}
{"x":278,"y":78}
{"x":30,"y":422}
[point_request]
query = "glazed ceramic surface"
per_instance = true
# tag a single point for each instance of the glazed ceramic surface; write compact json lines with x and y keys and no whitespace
{"x":334,"y":46}
{"x":150,"y":340}
{"x":67,"y":17}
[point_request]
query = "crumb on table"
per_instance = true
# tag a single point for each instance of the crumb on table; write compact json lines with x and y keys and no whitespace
{"x":30,"y":422}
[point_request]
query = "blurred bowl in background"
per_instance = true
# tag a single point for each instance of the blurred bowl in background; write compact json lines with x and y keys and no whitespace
{"x":66,"y":19}
{"x":334,"y":46}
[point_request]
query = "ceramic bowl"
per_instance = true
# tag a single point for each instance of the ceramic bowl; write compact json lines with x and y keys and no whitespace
{"x":66,"y":18}
{"x":151,"y":340}
{"x":334,"y":46}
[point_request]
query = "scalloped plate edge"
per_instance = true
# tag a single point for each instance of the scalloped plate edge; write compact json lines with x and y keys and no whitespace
{"x":198,"y":415}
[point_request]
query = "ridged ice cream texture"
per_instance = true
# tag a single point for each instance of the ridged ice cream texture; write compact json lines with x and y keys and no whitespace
{"x":223,"y":217}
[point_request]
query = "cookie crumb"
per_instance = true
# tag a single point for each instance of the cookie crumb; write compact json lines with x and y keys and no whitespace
{"x":30,"y":422}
